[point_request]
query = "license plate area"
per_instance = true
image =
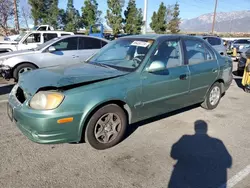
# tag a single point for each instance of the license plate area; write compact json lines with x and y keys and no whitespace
{"x":10,"y":111}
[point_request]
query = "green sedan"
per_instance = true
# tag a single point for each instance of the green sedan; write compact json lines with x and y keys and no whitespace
{"x":130,"y":79}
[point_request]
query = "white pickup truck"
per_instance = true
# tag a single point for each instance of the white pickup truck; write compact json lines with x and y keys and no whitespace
{"x":36,"y":28}
{"x":29,"y":40}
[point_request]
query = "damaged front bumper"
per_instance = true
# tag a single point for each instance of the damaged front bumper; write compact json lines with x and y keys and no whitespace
{"x":6,"y":72}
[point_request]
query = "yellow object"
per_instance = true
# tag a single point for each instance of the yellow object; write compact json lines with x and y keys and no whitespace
{"x":246,"y":75}
{"x":234,"y":52}
{"x":65,"y":120}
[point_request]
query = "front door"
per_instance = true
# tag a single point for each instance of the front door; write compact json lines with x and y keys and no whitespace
{"x":165,"y":90}
{"x":203,"y":66}
{"x":65,"y":54}
{"x":32,"y":41}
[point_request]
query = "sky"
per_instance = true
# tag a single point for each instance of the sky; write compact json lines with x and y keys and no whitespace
{"x":188,"y":8}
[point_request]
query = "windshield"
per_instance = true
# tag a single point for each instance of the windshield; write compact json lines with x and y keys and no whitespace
{"x":126,"y":53}
{"x":48,"y":43}
{"x":242,"y":42}
{"x":20,"y":37}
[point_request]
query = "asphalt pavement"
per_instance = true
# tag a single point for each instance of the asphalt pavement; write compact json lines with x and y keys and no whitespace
{"x":158,"y":153}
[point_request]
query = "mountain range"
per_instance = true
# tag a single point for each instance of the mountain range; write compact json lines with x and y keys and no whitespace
{"x":237,"y":21}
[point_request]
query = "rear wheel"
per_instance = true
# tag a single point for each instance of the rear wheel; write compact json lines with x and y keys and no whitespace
{"x":106,"y":127}
{"x":21,"y":69}
{"x":213,"y":97}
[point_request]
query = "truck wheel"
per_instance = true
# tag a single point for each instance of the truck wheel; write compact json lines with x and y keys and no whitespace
{"x":106,"y":127}
{"x":213,"y":97}
{"x":21,"y":69}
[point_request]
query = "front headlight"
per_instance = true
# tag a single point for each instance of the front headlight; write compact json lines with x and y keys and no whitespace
{"x":46,"y":100}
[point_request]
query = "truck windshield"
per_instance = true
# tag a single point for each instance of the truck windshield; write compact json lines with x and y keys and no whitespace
{"x":20,"y":37}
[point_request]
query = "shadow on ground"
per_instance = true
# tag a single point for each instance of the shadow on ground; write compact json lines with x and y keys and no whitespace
{"x":132,"y":128}
{"x":201,"y":161}
{"x":238,"y":82}
{"x":5,"y":89}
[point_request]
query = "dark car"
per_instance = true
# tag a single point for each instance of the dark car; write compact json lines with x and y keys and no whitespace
{"x":242,"y":61}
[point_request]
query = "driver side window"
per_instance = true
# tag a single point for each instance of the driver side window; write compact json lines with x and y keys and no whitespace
{"x":169,"y":52}
{"x":33,"y":38}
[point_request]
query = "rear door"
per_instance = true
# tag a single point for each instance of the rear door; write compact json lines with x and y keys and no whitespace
{"x":88,"y":46}
{"x":165,"y":90}
{"x":203,"y":66}
{"x":66,"y":53}
{"x":49,"y":36}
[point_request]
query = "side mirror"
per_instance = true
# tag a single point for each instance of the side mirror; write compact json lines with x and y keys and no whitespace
{"x":156,"y":66}
{"x":51,"y":49}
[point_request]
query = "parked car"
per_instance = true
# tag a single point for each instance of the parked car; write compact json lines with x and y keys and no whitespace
{"x":242,"y":61}
{"x":58,"y":51}
{"x":130,"y":79}
{"x":241,"y":43}
{"x":217,"y":43}
{"x":30,"y":40}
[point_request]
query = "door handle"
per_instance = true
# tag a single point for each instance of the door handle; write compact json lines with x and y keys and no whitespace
{"x":215,"y":70}
{"x":183,"y":77}
{"x":74,"y":56}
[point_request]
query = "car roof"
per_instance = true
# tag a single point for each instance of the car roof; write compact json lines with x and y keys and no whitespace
{"x":204,"y":36}
{"x":52,"y":31}
{"x":160,"y":37}
{"x":84,"y":36}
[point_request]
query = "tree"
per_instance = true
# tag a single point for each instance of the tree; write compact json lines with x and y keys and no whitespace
{"x":90,"y":13}
{"x":133,"y":18}
{"x":6,"y":13}
{"x":52,"y":13}
{"x":37,"y":10}
{"x":158,"y":23}
{"x":61,"y":18}
{"x":25,"y":16}
{"x":174,"y":23}
{"x":72,"y":17}
{"x":16,"y":15}
{"x":114,"y":17}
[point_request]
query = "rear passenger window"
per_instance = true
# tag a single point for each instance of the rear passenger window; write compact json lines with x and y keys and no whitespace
{"x":86,"y":43}
{"x":169,"y":53}
{"x":213,"y":41}
{"x":66,"y":44}
{"x":49,"y":36}
{"x":195,"y":51}
{"x":209,"y":54}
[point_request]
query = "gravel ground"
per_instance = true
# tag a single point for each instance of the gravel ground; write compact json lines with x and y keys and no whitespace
{"x":144,"y":158}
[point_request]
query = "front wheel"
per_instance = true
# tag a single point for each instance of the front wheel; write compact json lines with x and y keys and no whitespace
{"x":106,"y":127}
{"x":21,"y":69}
{"x":213,"y":97}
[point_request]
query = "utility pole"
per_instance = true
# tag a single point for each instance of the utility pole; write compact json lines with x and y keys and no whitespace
{"x":145,"y":16}
{"x":215,"y":8}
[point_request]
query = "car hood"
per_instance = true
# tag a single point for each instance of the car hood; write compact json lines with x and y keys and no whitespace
{"x":71,"y":75}
{"x":15,"y":53}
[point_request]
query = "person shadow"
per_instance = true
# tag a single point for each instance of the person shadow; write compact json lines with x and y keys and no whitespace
{"x":202,"y":161}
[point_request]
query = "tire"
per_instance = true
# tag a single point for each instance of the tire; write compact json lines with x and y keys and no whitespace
{"x":208,"y":104}
{"x":247,"y":89}
{"x":20,"y":67}
{"x":240,"y":73}
{"x":95,"y":134}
